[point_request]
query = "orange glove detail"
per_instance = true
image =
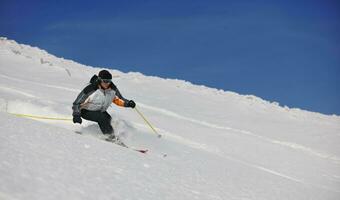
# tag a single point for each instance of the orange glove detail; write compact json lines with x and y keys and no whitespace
{"x":118,"y":102}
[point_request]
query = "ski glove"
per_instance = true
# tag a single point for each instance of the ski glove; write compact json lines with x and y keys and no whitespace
{"x":77,"y":119}
{"x":131,"y":104}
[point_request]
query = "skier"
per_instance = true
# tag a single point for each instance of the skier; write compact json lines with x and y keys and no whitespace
{"x":93,"y":101}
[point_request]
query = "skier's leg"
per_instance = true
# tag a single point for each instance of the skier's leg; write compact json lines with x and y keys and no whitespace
{"x":105,"y":123}
{"x":102,"y":118}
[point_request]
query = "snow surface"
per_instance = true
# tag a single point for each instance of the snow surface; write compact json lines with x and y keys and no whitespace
{"x":215,"y":144}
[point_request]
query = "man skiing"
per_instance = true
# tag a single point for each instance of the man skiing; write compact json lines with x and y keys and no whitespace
{"x":93,"y":101}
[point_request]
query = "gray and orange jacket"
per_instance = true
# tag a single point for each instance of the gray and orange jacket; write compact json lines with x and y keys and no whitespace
{"x":96,"y":99}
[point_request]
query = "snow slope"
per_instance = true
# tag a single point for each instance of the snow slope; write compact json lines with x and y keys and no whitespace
{"x":215,"y":144}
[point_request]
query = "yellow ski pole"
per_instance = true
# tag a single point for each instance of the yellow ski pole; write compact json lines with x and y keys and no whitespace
{"x":41,"y":117}
{"x":148,"y":123}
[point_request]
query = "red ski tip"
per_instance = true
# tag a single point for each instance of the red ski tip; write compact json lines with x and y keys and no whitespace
{"x":142,"y":151}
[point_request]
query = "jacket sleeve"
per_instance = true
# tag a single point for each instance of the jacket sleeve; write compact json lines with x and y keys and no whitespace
{"x":83,"y":95}
{"x":120,"y":101}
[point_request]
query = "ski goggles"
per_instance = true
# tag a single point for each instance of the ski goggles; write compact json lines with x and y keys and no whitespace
{"x":106,"y":80}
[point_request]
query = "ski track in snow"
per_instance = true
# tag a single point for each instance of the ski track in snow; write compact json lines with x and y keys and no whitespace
{"x":16,"y":91}
{"x":248,"y":133}
{"x":279,"y":174}
{"x":40,"y":84}
{"x":216,"y":151}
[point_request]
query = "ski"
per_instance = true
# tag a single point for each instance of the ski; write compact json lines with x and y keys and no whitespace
{"x":140,"y":150}
{"x":116,"y":141}
{"x":120,"y":143}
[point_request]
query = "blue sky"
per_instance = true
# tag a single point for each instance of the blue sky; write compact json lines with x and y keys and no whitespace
{"x":286,"y":51}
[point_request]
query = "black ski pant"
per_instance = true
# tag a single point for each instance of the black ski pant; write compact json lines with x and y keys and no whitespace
{"x":102,"y":118}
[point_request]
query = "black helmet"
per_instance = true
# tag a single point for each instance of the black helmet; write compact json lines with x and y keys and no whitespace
{"x":104,"y":74}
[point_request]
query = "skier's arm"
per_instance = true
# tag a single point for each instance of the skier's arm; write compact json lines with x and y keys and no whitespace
{"x":122,"y":103}
{"x":83,"y":95}
{"x":118,"y":94}
{"x":120,"y":100}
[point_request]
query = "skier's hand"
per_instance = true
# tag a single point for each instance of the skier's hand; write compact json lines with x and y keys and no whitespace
{"x":77,"y":119}
{"x":131,"y":104}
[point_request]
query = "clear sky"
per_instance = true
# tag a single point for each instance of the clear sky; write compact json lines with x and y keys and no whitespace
{"x":286,"y":51}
